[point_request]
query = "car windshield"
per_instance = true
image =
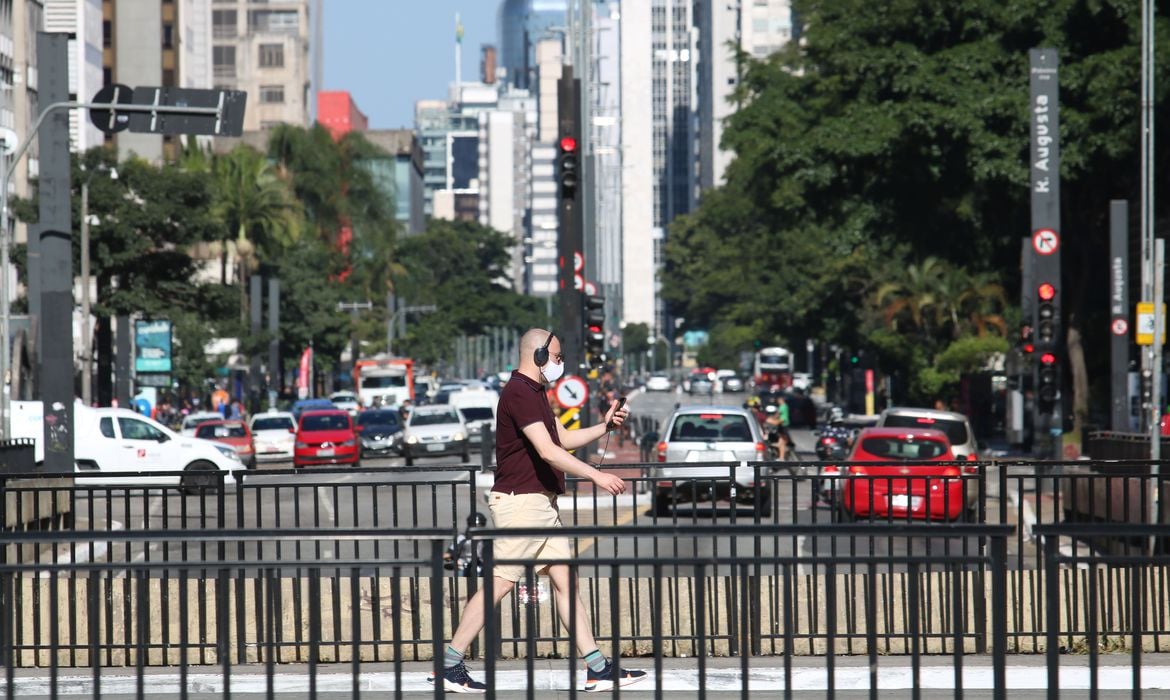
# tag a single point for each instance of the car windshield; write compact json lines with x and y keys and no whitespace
{"x":956,"y":430}
{"x":369,"y":418}
{"x":273,"y":423}
{"x":476,"y":413}
{"x":325,"y":422}
{"x":711,"y":427}
{"x":383,"y":382}
{"x":896,"y":448}
{"x":434,"y":418}
{"x":221,"y":431}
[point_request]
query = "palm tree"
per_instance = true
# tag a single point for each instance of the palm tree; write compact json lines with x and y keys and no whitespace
{"x":254,"y":204}
{"x":915,"y":296}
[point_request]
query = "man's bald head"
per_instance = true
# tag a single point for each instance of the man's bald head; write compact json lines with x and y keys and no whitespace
{"x":532,"y":339}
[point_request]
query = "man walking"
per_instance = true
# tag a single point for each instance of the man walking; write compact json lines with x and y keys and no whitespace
{"x":532,"y":459}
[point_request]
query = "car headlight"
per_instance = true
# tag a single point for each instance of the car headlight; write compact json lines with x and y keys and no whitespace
{"x":229,"y":452}
{"x":458,"y":436}
{"x":347,"y":443}
{"x":412,"y":439}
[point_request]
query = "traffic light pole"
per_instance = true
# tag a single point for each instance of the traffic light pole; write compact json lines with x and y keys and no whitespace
{"x":570,"y":244}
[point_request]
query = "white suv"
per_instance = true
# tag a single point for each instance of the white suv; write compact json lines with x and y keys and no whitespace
{"x":955,"y":425}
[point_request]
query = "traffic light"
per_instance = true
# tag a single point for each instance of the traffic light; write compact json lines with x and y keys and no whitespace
{"x":1046,"y":316}
{"x":595,"y":328}
{"x":568,"y":170}
{"x":1048,"y":381}
{"x":1027,"y":345}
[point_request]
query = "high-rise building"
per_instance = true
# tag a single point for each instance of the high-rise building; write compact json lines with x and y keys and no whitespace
{"x":401,"y":174}
{"x":639,"y":151}
{"x":19,"y":107}
{"x":264,"y":49}
{"x":523,"y":24}
{"x":83,"y":20}
{"x":758,"y":28}
{"x":505,"y":135}
{"x":337,"y":112}
{"x":141,"y":43}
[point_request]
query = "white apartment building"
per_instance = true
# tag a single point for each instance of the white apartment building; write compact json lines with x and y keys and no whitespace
{"x":264,"y":49}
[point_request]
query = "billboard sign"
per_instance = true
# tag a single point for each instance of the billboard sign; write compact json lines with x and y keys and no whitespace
{"x":152,"y":346}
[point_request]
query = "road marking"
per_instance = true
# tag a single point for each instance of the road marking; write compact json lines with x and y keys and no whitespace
{"x":325,"y":505}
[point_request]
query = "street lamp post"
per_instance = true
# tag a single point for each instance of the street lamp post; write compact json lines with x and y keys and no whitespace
{"x":86,"y":330}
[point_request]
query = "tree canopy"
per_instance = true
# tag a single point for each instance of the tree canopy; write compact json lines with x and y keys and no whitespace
{"x":880,"y":182}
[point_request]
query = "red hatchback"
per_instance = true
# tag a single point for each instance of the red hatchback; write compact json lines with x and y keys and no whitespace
{"x":230,"y":432}
{"x":326,"y":437}
{"x":907,"y":473}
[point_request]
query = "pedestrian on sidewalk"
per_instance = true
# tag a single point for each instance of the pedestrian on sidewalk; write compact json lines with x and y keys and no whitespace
{"x":532,"y":459}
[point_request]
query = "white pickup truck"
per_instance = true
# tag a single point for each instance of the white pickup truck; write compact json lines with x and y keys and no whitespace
{"x":110,"y":441}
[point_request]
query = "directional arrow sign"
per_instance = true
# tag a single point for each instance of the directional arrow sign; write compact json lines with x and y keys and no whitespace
{"x":229,"y":121}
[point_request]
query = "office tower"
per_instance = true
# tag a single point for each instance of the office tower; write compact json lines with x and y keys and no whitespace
{"x":523,"y":24}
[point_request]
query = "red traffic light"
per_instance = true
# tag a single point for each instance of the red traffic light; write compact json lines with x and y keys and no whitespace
{"x":1046,"y":292}
{"x":568,"y":144}
{"x":1048,"y":359}
{"x":1029,"y":348}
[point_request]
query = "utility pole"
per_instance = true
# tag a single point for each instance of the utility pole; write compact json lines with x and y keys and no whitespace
{"x":354,"y":308}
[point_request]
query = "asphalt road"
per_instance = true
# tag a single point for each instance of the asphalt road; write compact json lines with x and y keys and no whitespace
{"x":437,"y":493}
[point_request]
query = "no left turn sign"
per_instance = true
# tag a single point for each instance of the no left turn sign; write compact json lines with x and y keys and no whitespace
{"x":1120,"y":326}
{"x":1045,"y":241}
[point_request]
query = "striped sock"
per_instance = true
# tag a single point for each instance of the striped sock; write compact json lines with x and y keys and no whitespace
{"x":595,"y":660}
{"x":452,"y":657}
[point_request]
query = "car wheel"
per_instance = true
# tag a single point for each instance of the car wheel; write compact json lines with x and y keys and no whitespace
{"x":202,"y":477}
{"x":408,"y":457}
{"x":844,"y":515}
{"x":762,"y":504}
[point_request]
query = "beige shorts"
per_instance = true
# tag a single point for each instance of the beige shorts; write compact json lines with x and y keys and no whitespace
{"x":529,"y":510}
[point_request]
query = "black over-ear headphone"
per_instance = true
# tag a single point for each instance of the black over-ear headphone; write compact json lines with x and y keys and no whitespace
{"x":540,"y":355}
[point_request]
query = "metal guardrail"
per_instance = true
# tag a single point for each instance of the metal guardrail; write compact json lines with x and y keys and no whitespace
{"x":1141,"y":608}
{"x":1024,"y":496}
{"x":233,"y":614}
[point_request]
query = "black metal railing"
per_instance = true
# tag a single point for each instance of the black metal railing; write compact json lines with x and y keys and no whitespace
{"x":1144,"y":612}
{"x":233,"y":616}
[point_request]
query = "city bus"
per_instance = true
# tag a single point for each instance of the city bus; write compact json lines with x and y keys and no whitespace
{"x":772,"y":369}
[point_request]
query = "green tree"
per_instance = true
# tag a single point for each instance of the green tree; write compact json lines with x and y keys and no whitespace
{"x":461,"y":268}
{"x":257,"y":214}
{"x":894,"y":133}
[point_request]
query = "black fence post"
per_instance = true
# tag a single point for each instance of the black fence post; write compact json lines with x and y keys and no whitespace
{"x":487,"y":447}
{"x":999,"y":574}
{"x":1052,"y":613}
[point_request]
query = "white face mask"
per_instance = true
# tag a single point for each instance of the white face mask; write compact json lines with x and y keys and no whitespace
{"x":552,"y":371}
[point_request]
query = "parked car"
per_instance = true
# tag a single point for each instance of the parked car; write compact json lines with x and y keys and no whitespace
{"x":118,"y":440}
{"x":326,"y":437}
{"x":434,"y":431}
{"x":346,"y":401}
{"x":716,"y":434}
{"x":658,"y":382}
{"x":904,"y":473}
{"x":380,"y":430}
{"x":955,"y":425}
{"x":274,"y":434}
{"x":230,"y":432}
{"x":192,"y":421}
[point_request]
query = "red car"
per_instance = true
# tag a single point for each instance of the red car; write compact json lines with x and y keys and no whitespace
{"x":907,"y":473}
{"x":326,"y":437}
{"x":230,"y":432}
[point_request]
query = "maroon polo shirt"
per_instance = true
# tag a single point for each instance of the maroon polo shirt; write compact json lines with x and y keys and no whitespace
{"x":519,"y":469}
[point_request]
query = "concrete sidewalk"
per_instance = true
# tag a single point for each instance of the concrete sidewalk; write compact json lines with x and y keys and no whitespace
{"x":1026,"y":677}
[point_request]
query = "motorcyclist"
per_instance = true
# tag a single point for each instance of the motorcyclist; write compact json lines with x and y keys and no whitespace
{"x":835,"y":439}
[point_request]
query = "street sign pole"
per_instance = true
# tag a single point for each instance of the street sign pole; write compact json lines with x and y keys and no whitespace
{"x":225,"y":118}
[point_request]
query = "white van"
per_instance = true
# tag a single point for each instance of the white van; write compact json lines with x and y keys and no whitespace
{"x":478,"y":409}
{"x":118,"y":440}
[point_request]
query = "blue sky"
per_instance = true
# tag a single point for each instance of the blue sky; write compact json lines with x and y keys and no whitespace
{"x":389,"y":53}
